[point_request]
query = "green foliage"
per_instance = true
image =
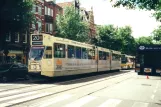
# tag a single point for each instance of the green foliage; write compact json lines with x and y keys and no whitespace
{"x":141,"y":4}
{"x":156,"y":34}
{"x":15,"y":16}
{"x":144,"y":40}
{"x":71,"y":26}
{"x":127,"y":40}
{"x":115,"y":38}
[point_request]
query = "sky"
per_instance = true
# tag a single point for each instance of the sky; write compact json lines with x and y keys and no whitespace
{"x":142,"y":22}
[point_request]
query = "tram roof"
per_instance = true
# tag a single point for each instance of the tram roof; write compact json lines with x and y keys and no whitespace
{"x":76,"y":43}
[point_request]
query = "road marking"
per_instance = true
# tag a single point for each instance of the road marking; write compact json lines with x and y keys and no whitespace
{"x":24,"y":90}
{"x":9,"y":103}
{"x":51,"y":101}
{"x":140,"y":104}
{"x":111,"y":103}
{"x":80,"y":102}
{"x":14,"y":96}
{"x":152,"y":97}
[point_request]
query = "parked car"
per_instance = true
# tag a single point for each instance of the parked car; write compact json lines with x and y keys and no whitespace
{"x":13,"y":71}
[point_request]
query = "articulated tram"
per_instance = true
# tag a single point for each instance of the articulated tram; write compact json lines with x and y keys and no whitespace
{"x":53,"y":56}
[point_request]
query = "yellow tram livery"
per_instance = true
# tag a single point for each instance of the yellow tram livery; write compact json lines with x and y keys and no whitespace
{"x":53,"y":56}
{"x":127,"y":61}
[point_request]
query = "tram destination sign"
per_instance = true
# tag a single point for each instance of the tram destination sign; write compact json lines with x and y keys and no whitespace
{"x":149,"y":48}
{"x":36,"y":43}
{"x":37,"y":37}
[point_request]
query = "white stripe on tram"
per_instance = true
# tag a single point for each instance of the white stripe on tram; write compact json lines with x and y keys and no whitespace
{"x":111,"y":103}
{"x":80,"y":102}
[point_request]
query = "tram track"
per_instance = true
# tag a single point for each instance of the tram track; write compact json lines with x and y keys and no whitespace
{"x":63,"y":89}
{"x":57,"y":82}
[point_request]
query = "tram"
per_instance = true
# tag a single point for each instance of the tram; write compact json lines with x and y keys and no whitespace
{"x":53,"y":56}
{"x":127,"y":61}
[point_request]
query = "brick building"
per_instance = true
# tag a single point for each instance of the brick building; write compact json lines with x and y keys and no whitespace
{"x":18,"y":44}
{"x":51,"y":11}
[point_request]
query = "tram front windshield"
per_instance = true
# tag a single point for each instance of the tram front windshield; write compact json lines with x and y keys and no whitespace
{"x":123,"y":59}
{"x":36,"y":53}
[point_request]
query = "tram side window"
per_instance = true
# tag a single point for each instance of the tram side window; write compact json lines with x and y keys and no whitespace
{"x":84,"y":53}
{"x":59,"y":50}
{"x":107,"y":55}
{"x":78,"y":52}
{"x":100,"y":55}
{"x":91,"y":54}
{"x":104,"y":55}
{"x":119,"y":57}
{"x":116,"y":57}
{"x":71,"y":51}
{"x":48,"y":53}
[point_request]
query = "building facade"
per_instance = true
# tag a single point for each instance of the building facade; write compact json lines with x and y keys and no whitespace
{"x":17,"y":45}
{"x":51,"y":11}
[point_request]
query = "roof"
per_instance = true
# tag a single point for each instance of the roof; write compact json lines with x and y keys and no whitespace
{"x":65,"y":4}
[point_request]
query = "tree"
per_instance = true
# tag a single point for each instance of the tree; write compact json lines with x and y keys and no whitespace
{"x":128,"y":42}
{"x":107,"y":36}
{"x":15,"y":17}
{"x":115,"y":38}
{"x":156,"y":34}
{"x":144,"y":40}
{"x":141,"y":4}
{"x":70,"y":25}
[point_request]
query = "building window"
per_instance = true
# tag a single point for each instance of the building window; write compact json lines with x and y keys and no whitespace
{"x":39,"y":10}
{"x":39,"y":26}
{"x":16,"y":37}
{"x":46,"y":10}
{"x":8,"y":37}
{"x":49,"y":28}
{"x":24,"y":37}
{"x":33,"y":8}
{"x":52,"y":12}
{"x":36,"y":8}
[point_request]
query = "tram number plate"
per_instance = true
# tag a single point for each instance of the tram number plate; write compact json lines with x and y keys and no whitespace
{"x":37,"y":37}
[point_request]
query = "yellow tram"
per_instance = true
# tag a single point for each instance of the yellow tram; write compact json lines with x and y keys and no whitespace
{"x":53,"y":56}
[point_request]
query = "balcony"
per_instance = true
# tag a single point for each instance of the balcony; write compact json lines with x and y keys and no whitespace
{"x":48,"y":18}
